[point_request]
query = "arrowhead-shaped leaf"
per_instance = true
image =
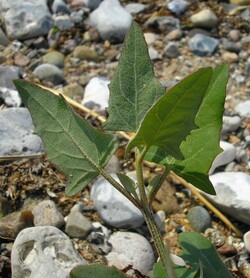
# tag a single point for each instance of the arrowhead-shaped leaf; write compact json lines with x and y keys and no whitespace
{"x":202,"y":145}
{"x":134,"y":88}
{"x":171,"y":118}
{"x":77,"y":148}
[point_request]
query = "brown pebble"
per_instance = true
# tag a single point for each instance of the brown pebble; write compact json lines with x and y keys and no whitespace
{"x":21,"y":60}
{"x":227,"y":250}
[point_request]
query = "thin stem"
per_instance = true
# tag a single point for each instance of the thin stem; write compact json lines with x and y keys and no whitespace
{"x":162,"y":250}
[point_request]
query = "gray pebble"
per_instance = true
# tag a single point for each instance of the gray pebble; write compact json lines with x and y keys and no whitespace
{"x":172,"y":50}
{"x":202,"y":45}
{"x":199,"y":219}
{"x":49,"y":73}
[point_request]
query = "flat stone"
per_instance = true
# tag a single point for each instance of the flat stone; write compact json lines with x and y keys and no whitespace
{"x":130,"y":249}
{"x":150,"y":37}
{"x":199,"y":219}
{"x":233,"y":191}
{"x":55,"y":58}
{"x":47,"y":214}
{"x":16,"y":129}
{"x":83,"y":52}
{"x":113,"y":207}
{"x":225,"y":157}
{"x":178,"y":6}
{"x":243,"y":109}
{"x":92,"y":4}
{"x":111,"y":20}
{"x":230,"y":124}
{"x":26,"y":19}
{"x":7,"y":75}
{"x":202,"y":45}
{"x":13,"y":223}
{"x":135,"y":8}
{"x":77,"y":225}
{"x":49,"y":73}
{"x":205,"y":19}
{"x":41,"y":251}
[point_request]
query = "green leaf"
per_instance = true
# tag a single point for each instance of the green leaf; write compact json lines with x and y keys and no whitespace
{"x":134,"y":88}
{"x":127,"y":182}
{"x":77,"y":148}
{"x":96,"y":271}
{"x":200,"y":254}
{"x":171,"y":118}
{"x":202,"y":145}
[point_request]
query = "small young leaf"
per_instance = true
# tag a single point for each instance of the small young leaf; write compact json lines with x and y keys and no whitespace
{"x":199,"y":253}
{"x":171,"y":118}
{"x":96,"y":271}
{"x":127,"y":182}
{"x":134,"y":88}
{"x":202,"y":145}
{"x":77,"y":148}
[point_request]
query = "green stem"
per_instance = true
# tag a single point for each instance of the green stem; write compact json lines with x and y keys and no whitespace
{"x":163,"y":250}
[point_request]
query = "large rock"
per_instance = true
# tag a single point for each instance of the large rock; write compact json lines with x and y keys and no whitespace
{"x":24,"y":19}
{"x":16,"y":130}
{"x":111,"y":20}
{"x":233,"y":191}
{"x":131,"y":249}
{"x":40,"y":252}
{"x":113,"y":207}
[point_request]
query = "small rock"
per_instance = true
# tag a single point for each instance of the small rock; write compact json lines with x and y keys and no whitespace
{"x":5,"y":206}
{"x":246,"y":239}
{"x":205,"y":19}
{"x":153,"y":53}
{"x":59,"y":7}
{"x":92,"y":4}
{"x":111,"y":20}
{"x":97,"y":92}
{"x":171,"y":50}
{"x":164,"y":23}
{"x":49,"y":73}
{"x":234,"y":35}
{"x":72,"y":90}
{"x":178,"y":6}
{"x":135,"y":8}
{"x":47,"y":214}
{"x":243,"y":109}
{"x":83,"y":52}
{"x":13,"y":223}
{"x":215,"y":236}
{"x":233,"y":191}
{"x":240,"y":79}
{"x":21,"y":60}
{"x":230,"y":124}
{"x":230,"y":46}
{"x":199,"y":219}
{"x":10,"y":97}
{"x":42,"y":251}
{"x":202,"y":45}
{"x":230,"y":57}
{"x":54,"y":58}
{"x":77,"y":16}
{"x":227,"y":250}
{"x":7,"y":75}
{"x":174,"y":35}
{"x":63,"y":22}
{"x":150,"y":37}
{"x":225,"y":157}
{"x":77,"y":225}
{"x":16,"y":131}
{"x":130,"y":249}
{"x":114,"y":208}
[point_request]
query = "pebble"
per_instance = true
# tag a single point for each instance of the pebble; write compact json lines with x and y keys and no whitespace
{"x":215,"y":236}
{"x":130,"y":249}
{"x":174,"y":35}
{"x":230,"y":57}
{"x":77,"y":225}
{"x":96,"y":95}
{"x":230,"y":46}
{"x":230,"y":124}
{"x":92,"y":4}
{"x":164,"y":23}
{"x":72,"y":90}
{"x":227,"y":250}
{"x":135,"y":8}
{"x":7,"y":75}
{"x":234,"y":35}
{"x":5,"y":206}
{"x":63,"y":22}
{"x":226,"y":156}
{"x":47,"y":214}
{"x":243,"y":109}
{"x":203,"y":45}
{"x":246,"y":239}
{"x":111,"y":20}
{"x":59,"y":7}
{"x":55,"y":58}
{"x":199,"y":219}
{"x":153,"y":53}
{"x":115,"y":209}
{"x":16,"y":130}
{"x":232,"y":194}
{"x":178,"y":6}
{"x":10,"y":97}
{"x":150,"y":37}
{"x":13,"y":223}
{"x":26,"y":19}
{"x":83,"y":52}
{"x":171,"y":50}
{"x":48,"y":72}
{"x":42,"y":251}
{"x":205,"y":19}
